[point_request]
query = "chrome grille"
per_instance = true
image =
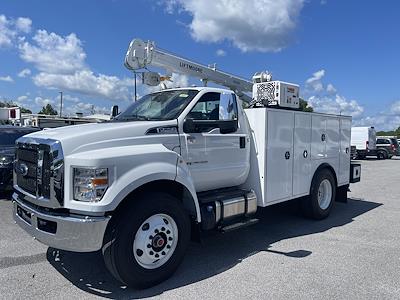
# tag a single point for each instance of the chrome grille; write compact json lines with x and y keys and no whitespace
{"x":29,"y":158}
{"x":39,"y":171}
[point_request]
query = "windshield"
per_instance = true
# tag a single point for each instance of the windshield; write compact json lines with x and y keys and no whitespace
{"x":395,"y":142}
{"x":165,"y":105}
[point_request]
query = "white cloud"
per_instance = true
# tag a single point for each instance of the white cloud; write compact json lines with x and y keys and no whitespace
{"x":330,"y":88}
{"x":70,"y":98}
{"x":329,"y":100}
{"x":86,"y":109}
{"x":87,"y":83}
{"x":6,"y":78}
{"x":395,"y":108}
{"x":24,"y":73}
{"x":22,"y":98}
{"x":43,"y":101}
{"x":53,"y":53}
{"x":6,"y":32}
{"x":220,"y":52}
{"x":314,"y":82}
{"x":9,"y":29}
{"x":178,"y":80}
{"x":251,"y":25}
{"x":388,"y":119}
{"x":61,"y":62}
{"x":23,"y":24}
{"x":316,"y":76}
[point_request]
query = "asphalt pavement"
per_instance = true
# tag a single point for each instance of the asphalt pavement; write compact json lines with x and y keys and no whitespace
{"x":354,"y":254}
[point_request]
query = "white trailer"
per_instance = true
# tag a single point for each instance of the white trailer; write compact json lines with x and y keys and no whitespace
{"x":364,"y":139}
{"x":174,"y":164}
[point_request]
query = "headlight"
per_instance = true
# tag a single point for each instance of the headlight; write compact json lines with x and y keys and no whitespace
{"x":6,"y":160}
{"x":90,"y":184}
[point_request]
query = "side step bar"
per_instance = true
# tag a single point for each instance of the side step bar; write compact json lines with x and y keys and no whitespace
{"x":239,"y":225}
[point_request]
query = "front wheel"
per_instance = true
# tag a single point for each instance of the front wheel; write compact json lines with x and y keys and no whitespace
{"x":322,"y":194}
{"x":148,"y":242}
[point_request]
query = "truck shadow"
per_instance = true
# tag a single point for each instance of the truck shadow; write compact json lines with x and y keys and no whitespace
{"x":217,"y":253}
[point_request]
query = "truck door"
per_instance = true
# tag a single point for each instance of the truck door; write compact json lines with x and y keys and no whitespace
{"x":216,"y":160}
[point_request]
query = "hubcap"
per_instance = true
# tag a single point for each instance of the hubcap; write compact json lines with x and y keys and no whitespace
{"x":155,"y":241}
{"x":324,"y":194}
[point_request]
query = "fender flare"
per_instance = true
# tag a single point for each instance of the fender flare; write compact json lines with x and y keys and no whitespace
{"x":324,"y":166}
{"x":172,"y":172}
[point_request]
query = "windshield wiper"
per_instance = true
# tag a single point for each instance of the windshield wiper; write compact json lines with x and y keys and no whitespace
{"x":138,"y":118}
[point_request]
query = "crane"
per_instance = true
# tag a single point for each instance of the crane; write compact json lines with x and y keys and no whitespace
{"x":142,"y":54}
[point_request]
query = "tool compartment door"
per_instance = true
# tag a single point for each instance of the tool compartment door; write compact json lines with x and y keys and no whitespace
{"x":302,"y":155}
{"x":279,"y":152}
{"x":318,"y":137}
{"x":344,"y":159}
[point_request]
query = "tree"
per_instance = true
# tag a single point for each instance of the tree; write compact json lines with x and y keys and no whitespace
{"x":48,"y":110}
{"x":304,"y":106}
{"x":25,"y":110}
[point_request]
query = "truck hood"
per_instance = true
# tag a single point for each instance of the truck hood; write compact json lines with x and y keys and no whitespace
{"x":86,"y":137}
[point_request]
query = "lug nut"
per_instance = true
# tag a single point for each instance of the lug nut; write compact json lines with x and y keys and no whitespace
{"x":148,"y":246}
{"x":151,"y":237}
{"x":162,"y":228}
{"x":168,"y":232}
{"x":165,"y":221}
{"x":156,"y":231}
{"x":145,"y":227}
{"x":163,"y":253}
{"x":168,"y":246}
{"x":139,"y":252}
{"x":170,"y":239}
{"x":151,"y":252}
{"x":156,"y":255}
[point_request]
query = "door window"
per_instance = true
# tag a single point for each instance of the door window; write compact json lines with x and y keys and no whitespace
{"x":215,"y":106}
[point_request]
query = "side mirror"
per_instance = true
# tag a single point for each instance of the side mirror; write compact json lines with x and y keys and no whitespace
{"x":228,"y":126}
{"x":114,"y":111}
{"x":189,"y":126}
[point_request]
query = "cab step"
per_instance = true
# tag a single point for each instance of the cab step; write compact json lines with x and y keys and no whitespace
{"x":239,"y":225}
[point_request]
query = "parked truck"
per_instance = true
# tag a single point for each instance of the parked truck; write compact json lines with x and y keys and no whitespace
{"x":176,"y":163}
{"x":364,"y":139}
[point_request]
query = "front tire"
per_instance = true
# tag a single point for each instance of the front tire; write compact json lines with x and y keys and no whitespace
{"x":148,"y":242}
{"x":381,"y":155}
{"x":322,"y":194}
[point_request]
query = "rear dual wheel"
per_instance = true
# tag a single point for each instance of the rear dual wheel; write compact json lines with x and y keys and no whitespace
{"x":322,"y":195}
{"x":148,"y":242}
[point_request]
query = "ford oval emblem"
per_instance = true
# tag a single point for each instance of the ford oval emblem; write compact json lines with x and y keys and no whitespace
{"x":22,"y":169}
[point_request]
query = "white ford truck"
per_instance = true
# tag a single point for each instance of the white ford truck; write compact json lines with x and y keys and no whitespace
{"x":175,"y":163}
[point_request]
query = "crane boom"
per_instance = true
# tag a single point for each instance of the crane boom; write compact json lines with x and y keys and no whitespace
{"x":142,"y":54}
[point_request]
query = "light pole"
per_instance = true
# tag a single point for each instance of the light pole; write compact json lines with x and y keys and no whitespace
{"x":61,"y":94}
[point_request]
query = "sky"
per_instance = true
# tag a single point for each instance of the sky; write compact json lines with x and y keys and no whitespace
{"x":343,"y":54}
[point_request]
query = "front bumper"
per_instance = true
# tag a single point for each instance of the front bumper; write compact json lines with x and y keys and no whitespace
{"x":61,"y":231}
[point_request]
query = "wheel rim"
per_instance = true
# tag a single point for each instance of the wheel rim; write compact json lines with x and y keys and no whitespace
{"x":155,"y":241}
{"x":324,"y":194}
